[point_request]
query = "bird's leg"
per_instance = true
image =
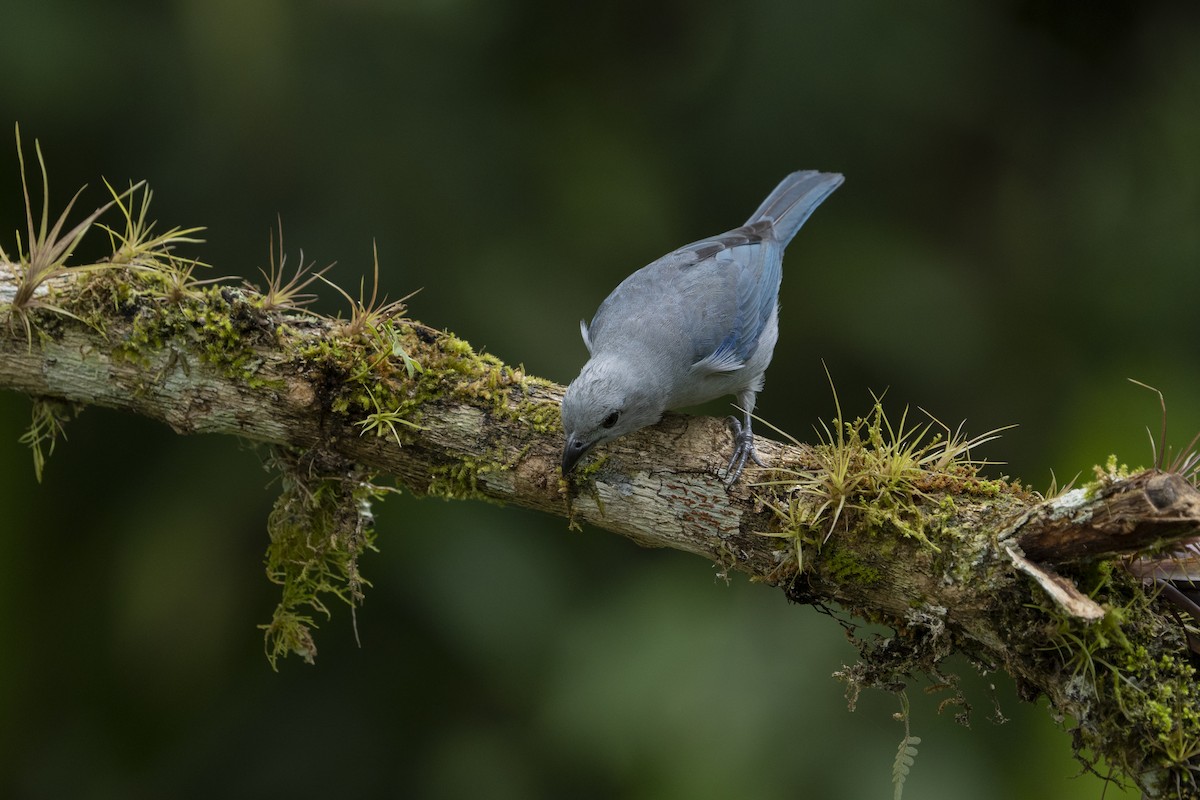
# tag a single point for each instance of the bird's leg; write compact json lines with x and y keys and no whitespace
{"x":743,"y":441}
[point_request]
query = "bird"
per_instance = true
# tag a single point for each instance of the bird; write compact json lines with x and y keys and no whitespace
{"x":697,"y":324}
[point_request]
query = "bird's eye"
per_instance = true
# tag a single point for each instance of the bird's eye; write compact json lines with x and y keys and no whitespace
{"x":611,"y":419}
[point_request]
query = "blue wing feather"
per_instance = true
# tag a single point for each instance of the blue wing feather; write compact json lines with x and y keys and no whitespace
{"x":758,"y":257}
{"x":756,"y":272}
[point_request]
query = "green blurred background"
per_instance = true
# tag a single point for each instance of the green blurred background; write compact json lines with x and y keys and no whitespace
{"x":1017,"y":235}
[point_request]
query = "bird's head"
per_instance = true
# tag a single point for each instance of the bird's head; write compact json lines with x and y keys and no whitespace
{"x":607,"y":400}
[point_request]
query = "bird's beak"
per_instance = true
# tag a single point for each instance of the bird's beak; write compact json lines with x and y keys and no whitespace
{"x":572,"y":452}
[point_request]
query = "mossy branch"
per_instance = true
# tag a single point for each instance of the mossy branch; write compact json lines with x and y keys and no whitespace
{"x":934,"y":562}
{"x":893,"y":524}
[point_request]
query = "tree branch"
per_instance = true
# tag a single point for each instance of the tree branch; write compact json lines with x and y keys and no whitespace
{"x":939,"y":561}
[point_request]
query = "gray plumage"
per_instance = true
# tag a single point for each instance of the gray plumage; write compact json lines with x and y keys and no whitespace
{"x":699,"y":323}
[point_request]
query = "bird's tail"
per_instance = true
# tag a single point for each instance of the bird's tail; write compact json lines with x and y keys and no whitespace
{"x":793,"y":200}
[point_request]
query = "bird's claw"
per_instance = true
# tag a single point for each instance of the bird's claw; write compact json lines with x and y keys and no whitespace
{"x":743,"y":448}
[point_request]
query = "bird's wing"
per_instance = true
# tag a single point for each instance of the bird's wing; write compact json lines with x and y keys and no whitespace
{"x":715,"y":294}
{"x":743,"y":271}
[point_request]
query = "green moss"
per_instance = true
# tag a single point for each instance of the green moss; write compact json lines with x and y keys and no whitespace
{"x":367,"y":384}
{"x":985,"y":488}
{"x":584,"y":472}
{"x":216,"y":325}
{"x":892,"y":516}
{"x":225,"y":327}
{"x":460,"y":479}
{"x":942,"y":520}
{"x":844,"y":566}
{"x":1108,"y":474}
{"x":321,"y":524}
{"x":1133,"y":687}
{"x":540,"y":416}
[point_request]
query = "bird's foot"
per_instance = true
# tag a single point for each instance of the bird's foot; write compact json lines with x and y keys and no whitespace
{"x":743,"y":448}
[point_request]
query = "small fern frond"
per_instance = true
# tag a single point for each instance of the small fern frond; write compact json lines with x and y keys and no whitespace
{"x":906,"y":754}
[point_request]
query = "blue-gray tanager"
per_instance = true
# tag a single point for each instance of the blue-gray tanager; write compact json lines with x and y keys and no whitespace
{"x":697,"y":324}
